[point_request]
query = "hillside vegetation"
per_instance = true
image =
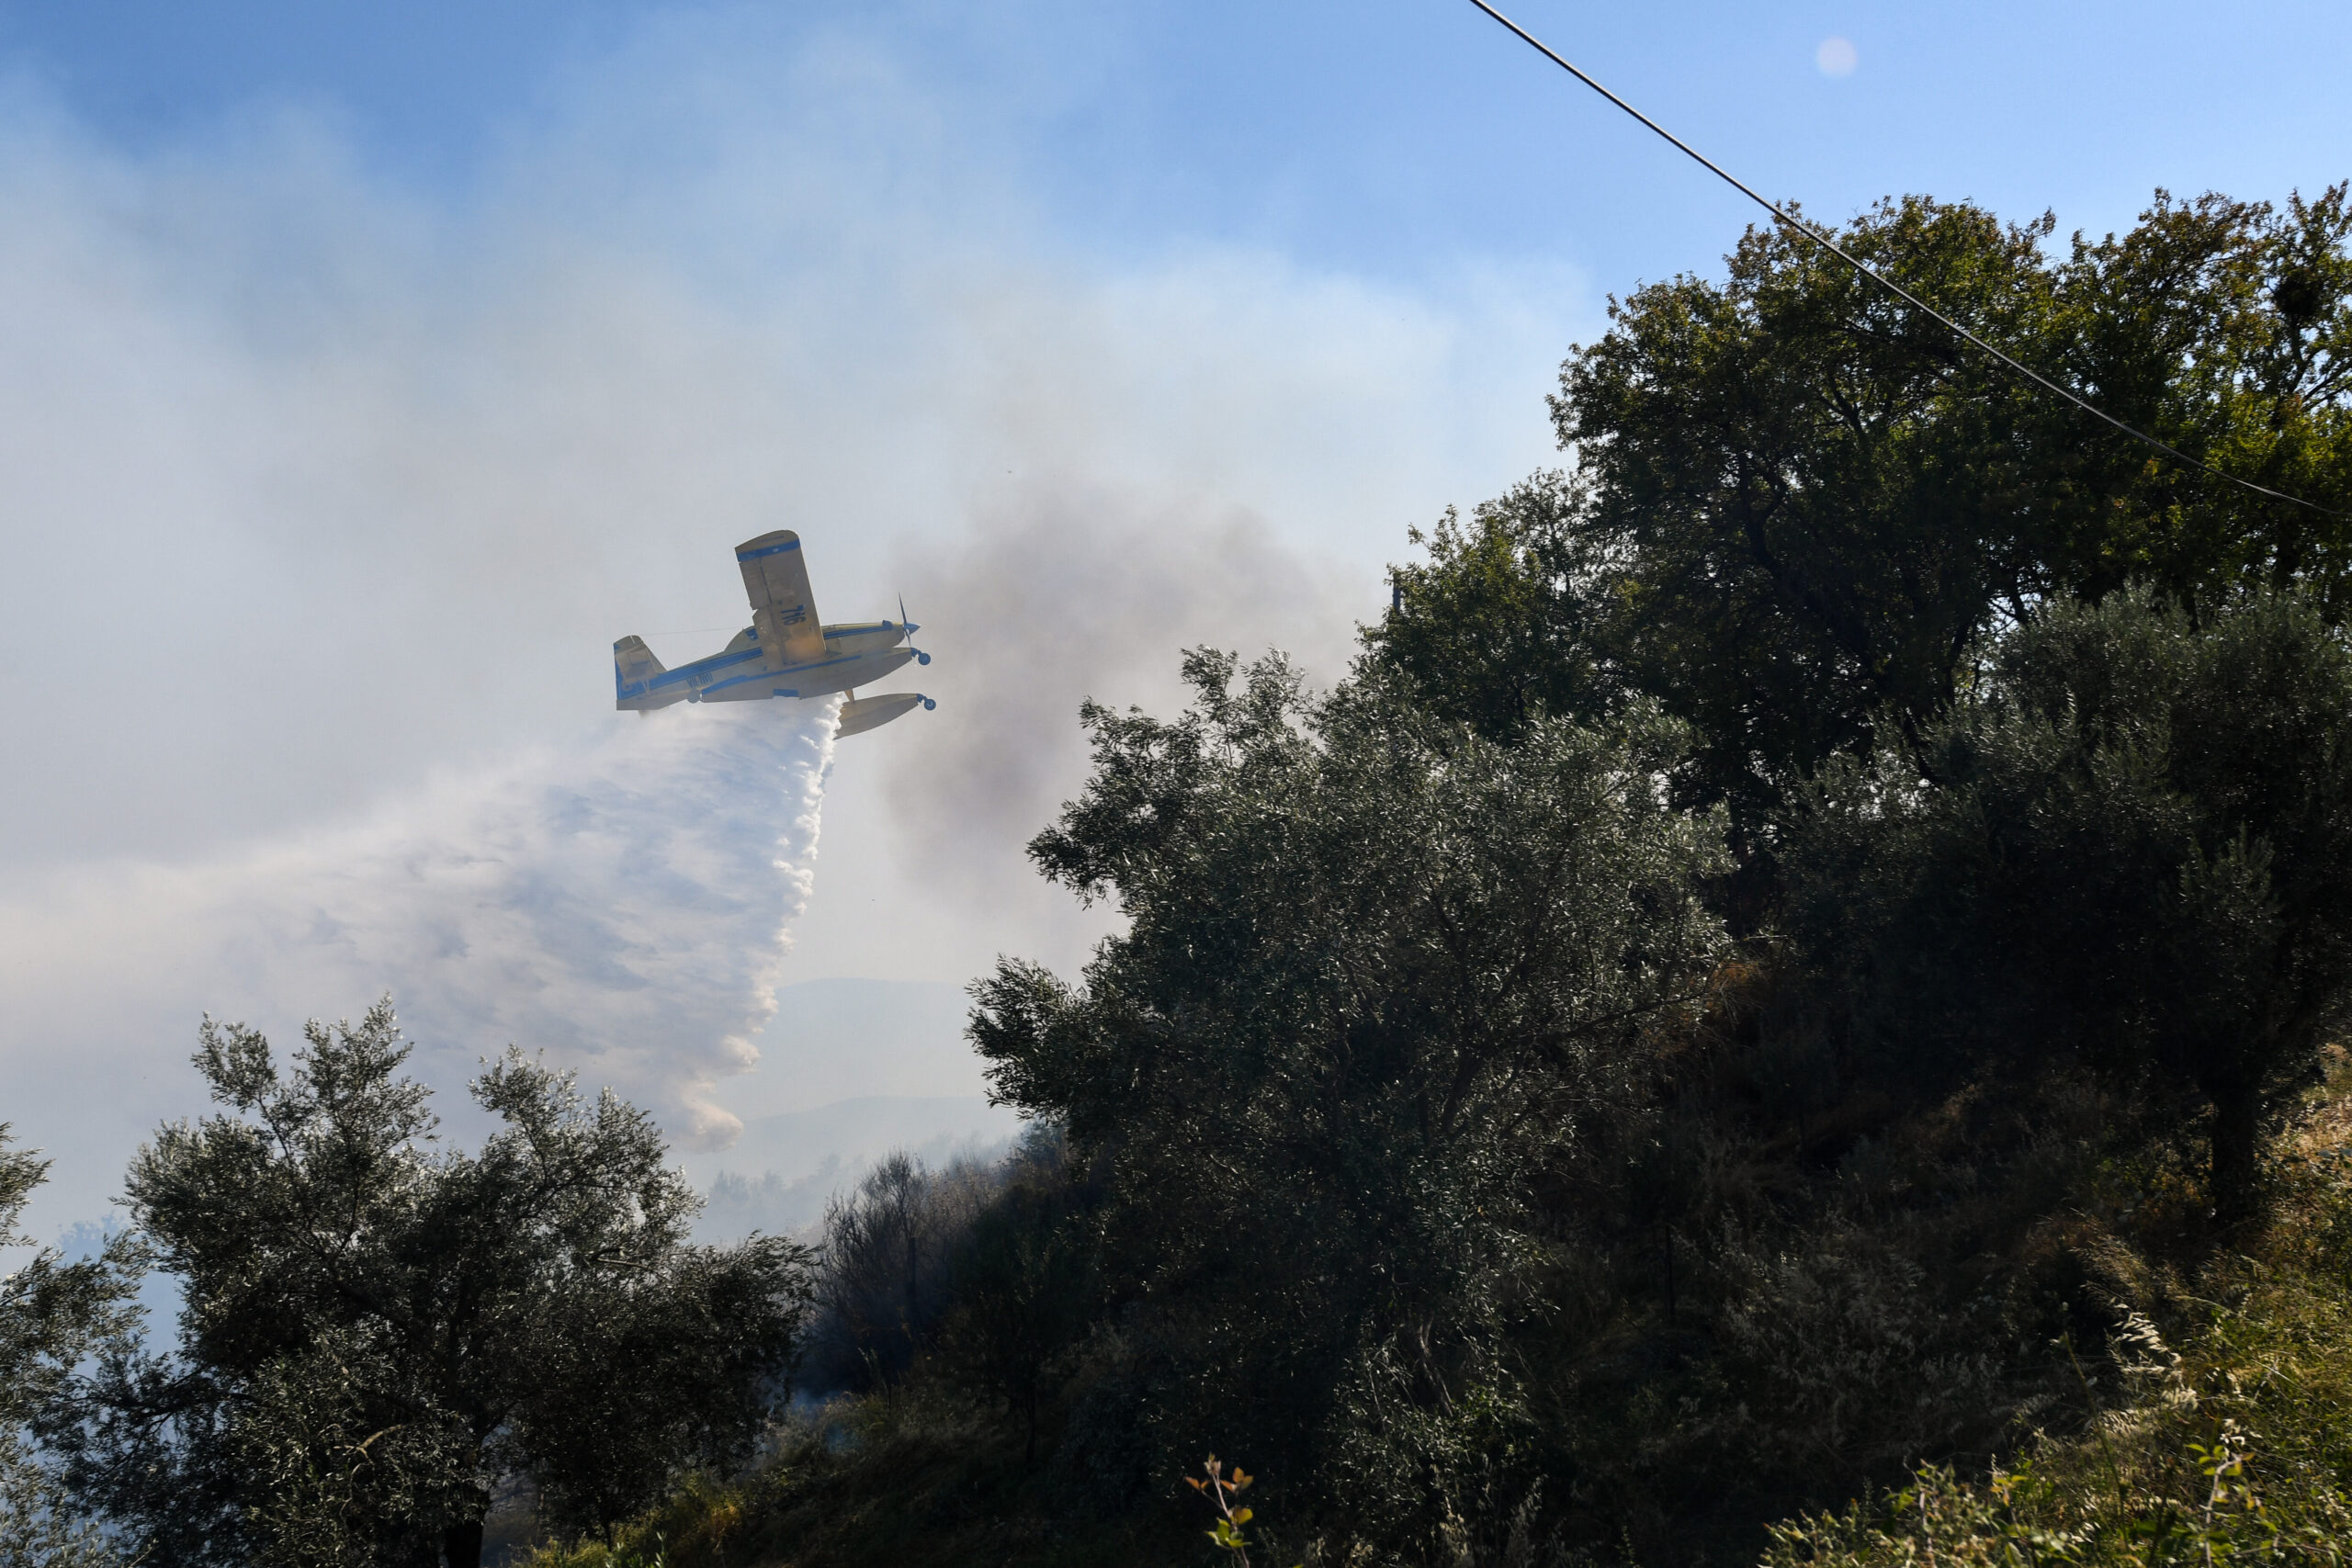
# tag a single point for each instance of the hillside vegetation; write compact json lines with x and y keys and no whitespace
{"x":1786,"y":1008}
{"x":1783,"y":1008}
{"x":2208,"y":1426}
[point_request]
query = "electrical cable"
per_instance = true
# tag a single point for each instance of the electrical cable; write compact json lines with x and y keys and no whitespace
{"x":1834,"y":248}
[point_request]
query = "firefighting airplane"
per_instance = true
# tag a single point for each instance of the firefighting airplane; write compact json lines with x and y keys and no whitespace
{"x":784,"y":652}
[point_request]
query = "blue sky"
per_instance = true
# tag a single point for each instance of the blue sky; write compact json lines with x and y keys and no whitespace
{"x":1384,"y":138}
{"x":366,"y":370}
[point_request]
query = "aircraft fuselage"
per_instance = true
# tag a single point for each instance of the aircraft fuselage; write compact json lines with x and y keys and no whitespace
{"x":784,"y":652}
{"x":856,"y":655}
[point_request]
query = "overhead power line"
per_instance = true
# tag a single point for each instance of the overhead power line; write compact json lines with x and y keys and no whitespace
{"x":1819,"y":238}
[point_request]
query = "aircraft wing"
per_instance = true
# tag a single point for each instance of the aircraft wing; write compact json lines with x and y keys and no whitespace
{"x":783,"y":612}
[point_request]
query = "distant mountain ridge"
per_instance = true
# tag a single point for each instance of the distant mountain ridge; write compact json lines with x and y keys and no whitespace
{"x":850,"y":1038}
{"x":779,"y":1176}
{"x":849,"y":1070}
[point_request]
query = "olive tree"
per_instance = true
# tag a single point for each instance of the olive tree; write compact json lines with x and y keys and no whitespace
{"x":378,"y":1328}
{"x":1375,"y":968}
{"x":53,"y":1313}
{"x":1798,"y":508}
{"x":2133,"y":845}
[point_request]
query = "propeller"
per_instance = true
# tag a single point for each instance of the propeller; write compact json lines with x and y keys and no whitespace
{"x":906,"y":629}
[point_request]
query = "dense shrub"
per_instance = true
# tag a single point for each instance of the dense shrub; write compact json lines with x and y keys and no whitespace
{"x":2131,"y":846}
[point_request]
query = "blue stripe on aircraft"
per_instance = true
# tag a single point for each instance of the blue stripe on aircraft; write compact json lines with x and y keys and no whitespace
{"x":718,"y":661}
{"x":771,"y":551}
{"x":703,"y":667}
{"x":829,"y":663}
{"x":793,"y":670}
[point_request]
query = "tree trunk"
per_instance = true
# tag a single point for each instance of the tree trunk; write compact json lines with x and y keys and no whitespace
{"x":461,"y":1544}
{"x":2236,"y":1175}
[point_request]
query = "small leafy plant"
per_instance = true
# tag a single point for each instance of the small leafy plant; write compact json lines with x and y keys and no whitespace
{"x":1221,"y":1490}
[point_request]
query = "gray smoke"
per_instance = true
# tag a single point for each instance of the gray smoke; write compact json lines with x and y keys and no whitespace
{"x":1072,"y":591}
{"x":323,"y":500}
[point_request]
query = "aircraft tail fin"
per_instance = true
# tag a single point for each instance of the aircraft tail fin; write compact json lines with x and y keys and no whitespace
{"x":634,"y":668}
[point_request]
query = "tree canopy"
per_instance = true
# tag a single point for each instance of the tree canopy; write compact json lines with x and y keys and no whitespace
{"x":53,"y":1313}
{"x":1374,"y":965}
{"x":1799,"y":507}
{"x":2132,"y":844}
{"x":1639,"y":1030}
{"x":378,"y":1328}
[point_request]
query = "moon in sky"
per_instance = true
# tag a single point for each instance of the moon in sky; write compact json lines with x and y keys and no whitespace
{"x":1835,"y":57}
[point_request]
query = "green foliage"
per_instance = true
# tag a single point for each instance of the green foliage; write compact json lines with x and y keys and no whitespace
{"x":1818,"y":494}
{"x":1799,"y":507}
{"x":2226,"y":328}
{"x":1511,"y":617}
{"x":900,"y":1478}
{"x":1228,"y":1531}
{"x":2133,"y":845}
{"x":2231,"y":1448}
{"x":52,"y":1313}
{"x":376,"y":1330}
{"x":1375,"y":966}
{"x":38,"y":1528}
{"x":326,"y":1475}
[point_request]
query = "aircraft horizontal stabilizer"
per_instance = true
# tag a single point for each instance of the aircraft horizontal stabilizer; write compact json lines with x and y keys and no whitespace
{"x":861,"y":714}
